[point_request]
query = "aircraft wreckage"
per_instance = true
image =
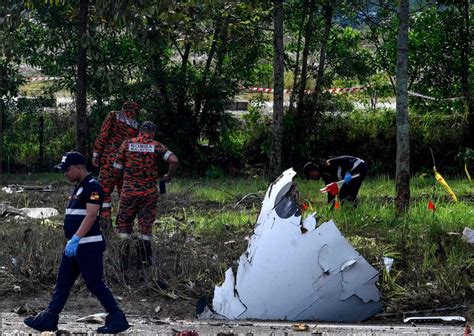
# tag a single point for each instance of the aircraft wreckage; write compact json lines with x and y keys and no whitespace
{"x":295,"y":270}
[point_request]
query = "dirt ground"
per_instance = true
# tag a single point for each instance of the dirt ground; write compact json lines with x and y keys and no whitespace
{"x":194,"y":264}
{"x":155,"y":316}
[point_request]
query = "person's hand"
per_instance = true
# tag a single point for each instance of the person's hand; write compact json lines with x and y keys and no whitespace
{"x":167,"y":178}
{"x":71,"y":246}
{"x":95,"y":161}
{"x":347,"y":178}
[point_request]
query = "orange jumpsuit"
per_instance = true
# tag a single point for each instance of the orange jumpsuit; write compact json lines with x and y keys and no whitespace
{"x":117,"y":127}
{"x":138,"y":158}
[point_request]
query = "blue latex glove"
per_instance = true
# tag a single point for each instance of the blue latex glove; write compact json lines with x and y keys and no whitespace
{"x":347,"y":178}
{"x":71,"y":246}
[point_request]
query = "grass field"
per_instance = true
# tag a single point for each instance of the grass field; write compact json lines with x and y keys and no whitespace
{"x":433,"y":265}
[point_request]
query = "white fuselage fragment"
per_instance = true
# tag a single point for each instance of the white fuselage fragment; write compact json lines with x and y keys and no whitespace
{"x":290,"y":273}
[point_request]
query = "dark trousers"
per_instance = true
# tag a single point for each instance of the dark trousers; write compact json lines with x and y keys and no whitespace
{"x":88,"y":262}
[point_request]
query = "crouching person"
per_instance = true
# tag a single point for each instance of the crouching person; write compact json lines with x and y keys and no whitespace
{"x":83,"y":253}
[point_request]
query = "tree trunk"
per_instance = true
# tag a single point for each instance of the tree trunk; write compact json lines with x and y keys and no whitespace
{"x":181,"y":94}
{"x":304,"y":60}
{"x":202,"y":85}
{"x":222,"y":50}
{"x":296,"y":71}
{"x":402,"y":199}
{"x":278,"y":71}
{"x":327,"y":13}
{"x":41,"y":142}
{"x":2,"y":107}
{"x":464,"y":32}
{"x":81,"y":93}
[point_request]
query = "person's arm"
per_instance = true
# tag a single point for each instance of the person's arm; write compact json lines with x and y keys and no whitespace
{"x":92,"y":211}
{"x":102,"y":138}
{"x":171,"y":159}
{"x":172,"y":167}
{"x":120,"y":158}
{"x":91,"y":215}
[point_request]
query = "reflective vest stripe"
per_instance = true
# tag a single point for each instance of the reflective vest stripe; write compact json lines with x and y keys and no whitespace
{"x":117,"y":165}
{"x":79,"y":212}
{"x":90,"y":239}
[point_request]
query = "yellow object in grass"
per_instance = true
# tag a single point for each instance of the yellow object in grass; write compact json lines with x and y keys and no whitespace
{"x":445,"y":185}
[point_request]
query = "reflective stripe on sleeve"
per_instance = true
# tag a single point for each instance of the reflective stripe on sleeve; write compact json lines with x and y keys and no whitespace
{"x":356,"y":163}
{"x":144,"y":237}
{"x":90,"y":239}
{"x":124,"y":235}
{"x":80,"y":212}
{"x":106,"y":205}
{"x":339,"y":173}
{"x":167,"y":155}
{"x":117,"y":165}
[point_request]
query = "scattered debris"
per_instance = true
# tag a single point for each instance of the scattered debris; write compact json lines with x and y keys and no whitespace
{"x":157,"y":309}
{"x":18,"y":188}
{"x":38,"y":213}
{"x":300,"y":327}
{"x":468,"y":235}
{"x":467,"y":330}
{"x":187,"y":333}
{"x":24,"y":310}
{"x":435,"y":310}
{"x":292,"y":274}
{"x":16,"y":288}
{"x":426,"y":319}
{"x":388,"y":263}
{"x":98,"y":318}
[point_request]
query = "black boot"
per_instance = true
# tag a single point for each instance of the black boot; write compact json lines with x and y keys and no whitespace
{"x":145,"y":253}
{"x":44,"y":321}
{"x":114,"y":323}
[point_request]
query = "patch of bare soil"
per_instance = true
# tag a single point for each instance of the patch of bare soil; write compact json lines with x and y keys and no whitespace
{"x":190,"y":265}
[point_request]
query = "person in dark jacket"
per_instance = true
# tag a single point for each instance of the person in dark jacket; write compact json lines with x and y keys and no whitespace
{"x":336,"y":169}
{"x":83,"y":253}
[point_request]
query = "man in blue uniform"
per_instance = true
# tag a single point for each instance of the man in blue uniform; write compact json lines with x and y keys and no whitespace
{"x":83,"y":253}
{"x":337,"y":169}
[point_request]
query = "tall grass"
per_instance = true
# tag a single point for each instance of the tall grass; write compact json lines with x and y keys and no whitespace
{"x":203,"y":223}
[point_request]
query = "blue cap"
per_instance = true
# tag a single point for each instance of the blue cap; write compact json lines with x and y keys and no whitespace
{"x":70,"y":159}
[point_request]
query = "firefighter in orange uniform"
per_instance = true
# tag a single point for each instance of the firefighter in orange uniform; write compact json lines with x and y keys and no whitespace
{"x":138,"y":159}
{"x":117,"y":127}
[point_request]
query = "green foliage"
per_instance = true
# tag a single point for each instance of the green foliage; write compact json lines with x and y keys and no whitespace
{"x":347,"y":58}
{"x":372,"y":135}
{"x":21,"y":135}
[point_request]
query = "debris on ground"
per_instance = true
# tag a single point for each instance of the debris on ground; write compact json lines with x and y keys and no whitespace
{"x":468,"y":235}
{"x":300,"y":327}
{"x":388,"y":263}
{"x":98,"y":318}
{"x":38,"y":213}
{"x":293,"y":270}
{"x":435,"y":319}
{"x":18,"y":188}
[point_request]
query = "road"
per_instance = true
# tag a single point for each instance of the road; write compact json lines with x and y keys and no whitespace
{"x":12,"y":324}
